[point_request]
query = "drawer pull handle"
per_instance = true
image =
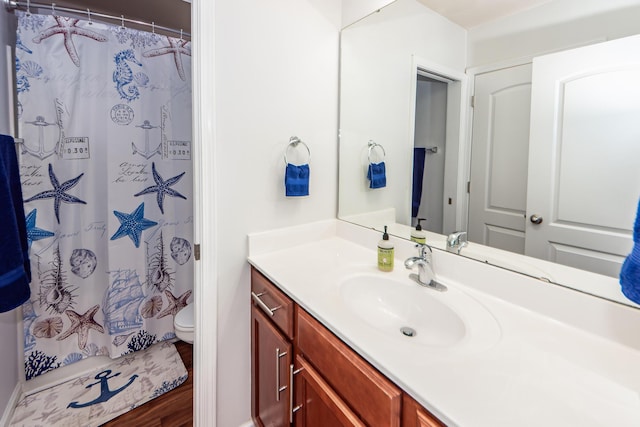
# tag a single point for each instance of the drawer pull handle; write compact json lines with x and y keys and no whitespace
{"x":278,"y":388}
{"x":262,"y":305}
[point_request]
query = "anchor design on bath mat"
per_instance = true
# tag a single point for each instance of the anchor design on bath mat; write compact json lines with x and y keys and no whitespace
{"x":147,"y":154}
{"x":105,"y":394}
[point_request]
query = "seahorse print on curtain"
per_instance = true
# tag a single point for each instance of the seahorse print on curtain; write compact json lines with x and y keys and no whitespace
{"x":105,"y":162}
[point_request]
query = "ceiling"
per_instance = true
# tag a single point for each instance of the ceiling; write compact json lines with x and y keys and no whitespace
{"x":471,"y":13}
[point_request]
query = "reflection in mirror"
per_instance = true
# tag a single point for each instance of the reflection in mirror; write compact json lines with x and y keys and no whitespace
{"x":550,"y":157}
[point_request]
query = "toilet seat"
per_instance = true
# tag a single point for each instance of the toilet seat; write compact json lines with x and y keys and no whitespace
{"x":183,"y":324}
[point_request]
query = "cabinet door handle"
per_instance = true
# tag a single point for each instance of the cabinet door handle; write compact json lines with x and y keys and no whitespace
{"x":262,"y":305}
{"x":278,"y":388}
{"x":292,"y":409}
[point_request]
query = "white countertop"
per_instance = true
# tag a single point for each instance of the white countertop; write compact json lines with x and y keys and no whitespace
{"x":525,"y":366}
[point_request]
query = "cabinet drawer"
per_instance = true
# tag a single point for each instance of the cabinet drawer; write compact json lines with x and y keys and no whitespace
{"x":276,"y":305}
{"x":371,"y":396}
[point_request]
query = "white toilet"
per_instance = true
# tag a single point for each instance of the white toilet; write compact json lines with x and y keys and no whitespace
{"x":183,"y":324}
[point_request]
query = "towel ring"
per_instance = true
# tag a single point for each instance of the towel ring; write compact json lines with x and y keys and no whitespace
{"x":373,"y":145}
{"x":294,"y":141}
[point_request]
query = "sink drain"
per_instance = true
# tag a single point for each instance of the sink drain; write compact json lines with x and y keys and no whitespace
{"x":408,"y":332}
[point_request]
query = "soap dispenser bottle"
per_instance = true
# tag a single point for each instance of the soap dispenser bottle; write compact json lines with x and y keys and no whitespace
{"x":385,"y":252}
{"x":418,"y":235}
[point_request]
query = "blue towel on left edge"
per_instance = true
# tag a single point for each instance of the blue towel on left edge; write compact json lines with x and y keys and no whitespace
{"x":296,"y":180}
{"x":630,"y":272}
{"x":377,"y":174}
{"x":15,"y":272}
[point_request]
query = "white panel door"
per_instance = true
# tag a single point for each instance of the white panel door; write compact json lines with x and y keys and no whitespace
{"x":584,"y":156}
{"x":499,"y":151}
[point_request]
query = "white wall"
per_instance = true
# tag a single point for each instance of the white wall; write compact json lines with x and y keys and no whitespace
{"x":276,"y":76}
{"x":553,"y":26}
{"x":8,"y":321}
{"x":376,"y":70}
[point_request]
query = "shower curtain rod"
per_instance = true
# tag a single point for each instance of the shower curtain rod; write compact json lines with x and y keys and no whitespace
{"x":12,"y":5}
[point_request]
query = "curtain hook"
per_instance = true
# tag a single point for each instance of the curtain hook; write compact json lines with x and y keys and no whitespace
{"x":89,"y":15}
{"x":28,"y":7}
{"x":153,"y":27}
{"x":181,"y":34}
{"x":122,"y":21}
{"x":53,"y":9}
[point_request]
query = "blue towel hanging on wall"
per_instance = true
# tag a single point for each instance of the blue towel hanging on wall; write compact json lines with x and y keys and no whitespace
{"x":630,"y":272}
{"x":15,"y":273}
{"x":377,"y":175}
{"x":296,"y":180}
{"x":419,"y":154}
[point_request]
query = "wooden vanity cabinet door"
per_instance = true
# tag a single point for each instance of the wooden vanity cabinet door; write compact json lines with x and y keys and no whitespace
{"x":320,"y":405}
{"x":415,"y":415}
{"x":271,"y":355}
{"x":370,"y":394}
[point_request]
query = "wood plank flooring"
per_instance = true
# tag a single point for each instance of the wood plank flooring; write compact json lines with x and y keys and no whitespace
{"x":172,"y":409}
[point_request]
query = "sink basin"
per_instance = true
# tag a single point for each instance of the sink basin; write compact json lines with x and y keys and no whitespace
{"x":400,"y":309}
{"x":389,"y":306}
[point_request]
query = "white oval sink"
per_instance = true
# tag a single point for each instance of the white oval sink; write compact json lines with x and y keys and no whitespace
{"x":389,"y":306}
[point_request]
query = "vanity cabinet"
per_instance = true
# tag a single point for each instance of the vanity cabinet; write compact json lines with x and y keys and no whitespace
{"x":303,"y":374}
{"x":272,"y":353}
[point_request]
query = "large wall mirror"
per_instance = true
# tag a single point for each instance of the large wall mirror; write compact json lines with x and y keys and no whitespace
{"x":523,"y":132}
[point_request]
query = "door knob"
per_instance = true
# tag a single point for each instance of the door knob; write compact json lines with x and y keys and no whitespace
{"x":535,"y":219}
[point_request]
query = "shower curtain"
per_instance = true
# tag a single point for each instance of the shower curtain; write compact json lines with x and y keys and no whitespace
{"x":104,"y":114}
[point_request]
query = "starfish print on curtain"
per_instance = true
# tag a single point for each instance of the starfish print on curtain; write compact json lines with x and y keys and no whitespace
{"x":177,"y":48}
{"x":175,"y":304}
{"x":81,"y":325}
{"x":34,"y":233}
{"x":132,"y":224}
{"x":162,"y":187}
{"x":67,"y":27}
{"x":59,"y":192}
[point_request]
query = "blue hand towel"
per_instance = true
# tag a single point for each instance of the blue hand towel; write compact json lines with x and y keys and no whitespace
{"x":296,"y":180}
{"x":15,"y":272}
{"x":377,"y":174}
{"x":419,"y":155}
{"x":630,"y":273}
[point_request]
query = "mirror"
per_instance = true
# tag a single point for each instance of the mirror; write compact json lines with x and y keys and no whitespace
{"x":400,"y":59}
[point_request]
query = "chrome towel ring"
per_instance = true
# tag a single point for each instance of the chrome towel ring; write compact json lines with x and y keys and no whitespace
{"x":372,"y":145}
{"x":294,"y":141}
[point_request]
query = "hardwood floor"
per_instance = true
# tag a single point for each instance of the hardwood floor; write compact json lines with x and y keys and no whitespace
{"x":172,"y":409}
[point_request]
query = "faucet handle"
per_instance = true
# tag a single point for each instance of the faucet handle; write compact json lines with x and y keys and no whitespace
{"x":422,"y":250}
{"x":456,"y":238}
{"x":456,"y":241}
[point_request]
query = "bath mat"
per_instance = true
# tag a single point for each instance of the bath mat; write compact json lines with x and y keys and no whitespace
{"x":96,"y":398}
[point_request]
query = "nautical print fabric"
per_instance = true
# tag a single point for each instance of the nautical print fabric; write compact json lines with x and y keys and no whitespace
{"x":105,"y":163}
{"x":94,"y":398}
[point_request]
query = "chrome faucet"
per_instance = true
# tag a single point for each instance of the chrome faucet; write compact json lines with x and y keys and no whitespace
{"x":456,"y":241}
{"x":425,"y":276}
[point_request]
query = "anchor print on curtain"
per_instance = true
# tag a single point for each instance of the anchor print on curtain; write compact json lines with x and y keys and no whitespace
{"x":105,"y":162}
